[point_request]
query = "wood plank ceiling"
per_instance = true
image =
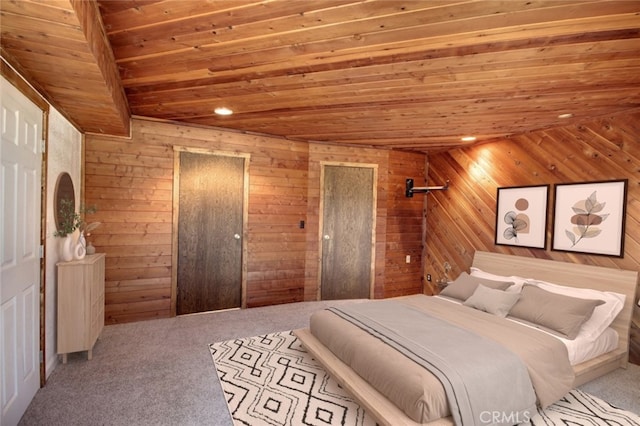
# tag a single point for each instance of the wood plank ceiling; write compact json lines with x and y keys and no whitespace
{"x":65,"y":54}
{"x":415,"y":75}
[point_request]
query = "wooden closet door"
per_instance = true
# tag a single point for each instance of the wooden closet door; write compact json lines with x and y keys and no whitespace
{"x":347,"y":231}
{"x":211,"y":198}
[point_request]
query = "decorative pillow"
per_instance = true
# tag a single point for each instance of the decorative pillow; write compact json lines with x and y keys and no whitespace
{"x":603,"y":315}
{"x":496,"y":302}
{"x":563,"y":314}
{"x":463,"y":287}
{"x":518,"y":282}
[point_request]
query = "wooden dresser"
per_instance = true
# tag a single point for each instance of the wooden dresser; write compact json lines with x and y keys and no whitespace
{"x":80,"y":304}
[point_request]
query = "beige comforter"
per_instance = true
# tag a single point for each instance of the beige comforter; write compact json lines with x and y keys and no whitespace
{"x":416,"y":391}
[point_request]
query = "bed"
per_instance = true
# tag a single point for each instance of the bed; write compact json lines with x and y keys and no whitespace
{"x":565,"y":274}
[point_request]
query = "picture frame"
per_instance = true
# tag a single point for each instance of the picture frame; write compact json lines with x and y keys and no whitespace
{"x":589,"y":217}
{"x":521,"y":216}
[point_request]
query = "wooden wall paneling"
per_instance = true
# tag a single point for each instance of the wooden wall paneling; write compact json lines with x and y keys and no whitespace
{"x":278,"y":180}
{"x":405,"y":225}
{"x":602,"y":149}
{"x":131,"y":183}
{"x":466,"y":207}
{"x":463,"y":219}
{"x":268,"y":202}
{"x":538,"y":147}
{"x":122,"y":181}
{"x":312,"y":226}
{"x":319,"y":153}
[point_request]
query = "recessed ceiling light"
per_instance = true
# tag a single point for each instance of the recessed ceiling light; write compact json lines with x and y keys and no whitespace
{"x":468,"y":138}
{"x":567,"y":115}
{"x":223,"y":111}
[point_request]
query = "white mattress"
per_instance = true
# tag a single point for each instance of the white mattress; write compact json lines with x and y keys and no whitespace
{"x":579,"y":349}
{"x":582,"y":349}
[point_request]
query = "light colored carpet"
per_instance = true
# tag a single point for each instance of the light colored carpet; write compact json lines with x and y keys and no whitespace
{"x":160,"y":372}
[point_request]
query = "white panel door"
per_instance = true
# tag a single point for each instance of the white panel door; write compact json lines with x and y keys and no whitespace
{"x":20,"y":178}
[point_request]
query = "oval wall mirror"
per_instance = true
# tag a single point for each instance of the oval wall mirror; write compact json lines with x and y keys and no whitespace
{"x":64,"y":191}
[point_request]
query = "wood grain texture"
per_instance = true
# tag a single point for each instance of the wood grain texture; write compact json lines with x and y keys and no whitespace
{"x":413,"y":75}
{"x":80,"y":304}
{"x":131,"y":183}
{"x":210,"y":211}
{"x":397,"y":217}
{"x":406,"y":230}
{"x":461,"y":220}
{"x":348,"y":223}
{"x":63,"y":50}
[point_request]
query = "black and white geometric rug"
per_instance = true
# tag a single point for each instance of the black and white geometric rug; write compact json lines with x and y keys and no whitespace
{"x":273,"y":380}
{"x":582,"y":409}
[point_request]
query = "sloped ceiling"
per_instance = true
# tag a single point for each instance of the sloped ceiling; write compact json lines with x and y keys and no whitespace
{"x":415,"y":75}
{"x":61,"y":48}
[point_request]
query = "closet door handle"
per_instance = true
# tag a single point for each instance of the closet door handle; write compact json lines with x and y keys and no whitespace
{"x":236,"y":236}
{"x":327,"y":237}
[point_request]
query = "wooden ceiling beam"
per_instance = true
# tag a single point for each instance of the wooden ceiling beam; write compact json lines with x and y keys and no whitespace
{"x":58,"y":47}
{"x":90,"y":21}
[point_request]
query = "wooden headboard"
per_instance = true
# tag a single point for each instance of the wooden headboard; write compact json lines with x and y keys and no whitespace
{"x":573,"y":275}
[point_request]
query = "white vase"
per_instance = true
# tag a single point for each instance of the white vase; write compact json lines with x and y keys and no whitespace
{"x":79,"y":252}
{"x":66,"y":248}
{"x":80,"y":249}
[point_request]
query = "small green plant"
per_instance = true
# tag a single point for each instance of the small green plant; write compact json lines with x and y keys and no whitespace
{"x":70,"y":220}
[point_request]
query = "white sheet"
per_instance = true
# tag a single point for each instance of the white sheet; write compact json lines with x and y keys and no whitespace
{"x":580,"y":349}
{"x":586,"y":350}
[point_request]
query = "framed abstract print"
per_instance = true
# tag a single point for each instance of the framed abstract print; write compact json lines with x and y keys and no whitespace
{"x":521,"y":216}
{"x":589,"y":217}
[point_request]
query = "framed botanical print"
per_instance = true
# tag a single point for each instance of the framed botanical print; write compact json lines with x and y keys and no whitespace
{"x":589,"y":217}
{"x":521,"y":216}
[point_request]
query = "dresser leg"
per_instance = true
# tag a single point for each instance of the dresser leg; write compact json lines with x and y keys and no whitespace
{"x":64,"y":358}
{"x":90,"y":354}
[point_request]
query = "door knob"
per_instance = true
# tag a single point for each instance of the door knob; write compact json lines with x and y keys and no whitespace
{"x":326,"y":237}
{"x":236,"y":236}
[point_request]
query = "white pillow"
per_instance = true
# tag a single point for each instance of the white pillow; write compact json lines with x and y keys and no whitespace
{"x":518,"y":282}
{"x":493,"y":301}
{"x":603,"y":315}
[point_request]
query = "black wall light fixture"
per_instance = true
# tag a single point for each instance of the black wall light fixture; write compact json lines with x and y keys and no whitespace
{"x":410,"y":189}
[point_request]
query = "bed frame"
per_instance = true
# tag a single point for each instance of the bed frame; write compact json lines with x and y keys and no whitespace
{"x":576,"y":275}
{"x":569,"y":274}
